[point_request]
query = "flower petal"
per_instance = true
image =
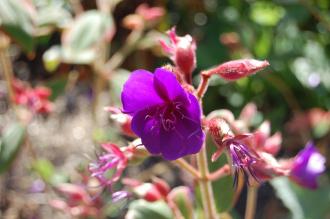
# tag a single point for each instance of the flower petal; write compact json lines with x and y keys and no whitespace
{"x":148,"y":129}
{"x":307,"y":166}
{"x":193,"y":111}
{"x":139,"y":92}
{"x":186,"y":138}
{"x":167,"y":86}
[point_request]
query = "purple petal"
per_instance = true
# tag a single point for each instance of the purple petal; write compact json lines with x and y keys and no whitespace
{"x":139,"y":93}
{"x":194,"y":109}
{"x":186,"y":138}
{"x":168,"y":86}
{"x":148,"y":129}
{"x":307,"y":166}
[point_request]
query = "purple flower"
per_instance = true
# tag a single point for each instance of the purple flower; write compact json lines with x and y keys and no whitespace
{"x":307,"y":166}
{"x":109,"y":166}
{"x":243,"y":158}
{"x":165,"y":116}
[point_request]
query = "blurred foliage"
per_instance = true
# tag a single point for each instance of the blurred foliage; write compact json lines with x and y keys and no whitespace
{"x":295,"y":199}
{"x":141,"y":209}
{"x":11,"y":141}
{"x":293,"y":35}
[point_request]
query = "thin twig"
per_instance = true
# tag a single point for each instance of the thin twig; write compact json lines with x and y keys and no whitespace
{"x":251,"y":202}
{"x":202,"y":85}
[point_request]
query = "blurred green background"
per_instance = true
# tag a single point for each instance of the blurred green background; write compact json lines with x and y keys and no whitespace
{"x":293,"y":93}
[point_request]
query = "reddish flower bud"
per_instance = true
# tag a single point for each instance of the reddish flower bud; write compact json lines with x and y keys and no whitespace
{"x":150,"y":13}
{"x":161,"y":186}
{"x":182,"y":51}
{"x":122,"y":120}
{"x":237,"y":69}
{"x":148,"y":192}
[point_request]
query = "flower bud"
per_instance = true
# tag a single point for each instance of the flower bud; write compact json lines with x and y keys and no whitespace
{"x":148,"y":192}
{"x":182,"y":51}
{"x":161,"y":186}
{"x":122,"y":120}
{"x":237,"y":69}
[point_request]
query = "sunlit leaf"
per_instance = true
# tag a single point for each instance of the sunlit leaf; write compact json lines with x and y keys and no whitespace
{"x":44,"y":168}
{"x":80,"y":41}
{"x":53,"y":14}
{"x":52,"y":58}
{"x":266,"y":13}
{"x":16,"y":20}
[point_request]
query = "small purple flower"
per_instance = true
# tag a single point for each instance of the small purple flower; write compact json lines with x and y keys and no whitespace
{"x":307,"y":166}
{"x":243,"y":158}
{"x":109,"y":166}
{"x":165,"y":116}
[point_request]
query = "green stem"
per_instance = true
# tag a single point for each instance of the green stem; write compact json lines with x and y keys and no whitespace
{"x":251,"y":202}
{"x":187,"y":167}
{"x":118,"y":58}
{"x":7,"y":67}
{"x":205,"y":185}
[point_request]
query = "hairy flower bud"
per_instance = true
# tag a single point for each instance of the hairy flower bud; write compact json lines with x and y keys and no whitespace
{"x":182,"y":51}
{"x":237,"y":69}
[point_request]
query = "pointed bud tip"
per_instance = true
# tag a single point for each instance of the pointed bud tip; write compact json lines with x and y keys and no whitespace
{"x":237,"y":69}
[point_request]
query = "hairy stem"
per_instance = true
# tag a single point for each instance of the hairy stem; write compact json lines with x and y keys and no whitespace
{"x":251,"y":202}
{"x":187,"y":167}
{"x":220,"y":173}
{"x":205,"y":185}
{"x":203,"y":85}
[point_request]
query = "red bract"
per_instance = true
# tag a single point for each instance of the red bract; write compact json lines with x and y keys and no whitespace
{"x":182,"y":51}
{"x":35,"y":99}
{"x":237,"y":69}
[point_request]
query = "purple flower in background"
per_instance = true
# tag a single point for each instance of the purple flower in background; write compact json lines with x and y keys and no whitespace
{"x":109,"y":166}
{"x":307,"y":166}
{"x":165,"y":116}
{"x":243,"y":159}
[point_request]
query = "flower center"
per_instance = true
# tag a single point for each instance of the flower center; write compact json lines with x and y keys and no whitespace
{"x":170,"y":115}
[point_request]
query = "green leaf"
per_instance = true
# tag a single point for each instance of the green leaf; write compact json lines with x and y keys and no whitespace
{"x":53,"y":14}
{"x":81,"y":40}
{"x":11,"y":141}
{"x":303,"y":203}
{"x":16,"y":21}
{"x":181,"y":197}
{"x":52,"y":58}
{"x":223,"y":189}
{"x":141,"y":209}
{"x":119,"y":77}
{"x":266,"y":13}
{"x":44,"y":168}
{"x":264,"y":43}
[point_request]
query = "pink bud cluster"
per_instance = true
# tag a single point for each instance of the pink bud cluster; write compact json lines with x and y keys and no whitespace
{"x":34,"y":99}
